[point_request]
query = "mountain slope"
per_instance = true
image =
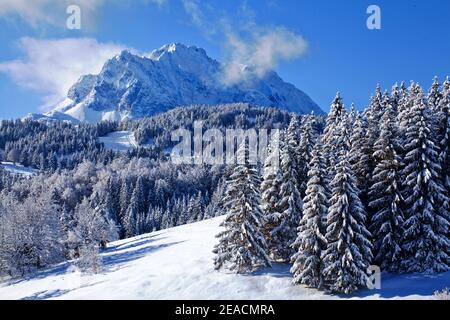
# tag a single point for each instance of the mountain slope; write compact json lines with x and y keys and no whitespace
{"x":132,"y":86}
{"x":177,"y":264}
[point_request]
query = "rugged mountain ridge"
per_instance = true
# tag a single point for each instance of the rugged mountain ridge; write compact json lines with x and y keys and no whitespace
{"x":133,"y":86}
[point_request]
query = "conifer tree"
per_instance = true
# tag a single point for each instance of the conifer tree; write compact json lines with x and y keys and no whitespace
{"x":385,"y":197}
{"x":434,"y":95}
{"x":395,"y":97}
{"x":291,"y":143}
{"x":443,"y":134}
{"x":426,"y":243}
{"x":131,"y":215}
{"x":335,"y":116}
{"x":310,"y":243}
{"x":270,"y":194}
{"x":373,"y":114}
{"x":290,"y":206}
{"x":360,"y":156}
{"x":308,"y":138}
{"x":348,"y":253}
{"x":242,"y":248}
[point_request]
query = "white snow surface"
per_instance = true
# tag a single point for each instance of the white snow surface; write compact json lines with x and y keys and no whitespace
{"x":119,"y":141}
{"x":18,"y":169}
{"x":177,"y":263}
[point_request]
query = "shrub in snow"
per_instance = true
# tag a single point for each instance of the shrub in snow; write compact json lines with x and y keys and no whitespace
{"x":89,"y":260}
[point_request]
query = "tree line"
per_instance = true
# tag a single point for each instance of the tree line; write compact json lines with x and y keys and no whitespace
{"x":372,"y":189}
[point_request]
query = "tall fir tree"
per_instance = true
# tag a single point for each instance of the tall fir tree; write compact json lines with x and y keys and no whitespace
{"x":385,"y":198}
{"x":308,"y":138}
{"x":395,"y":97}
{"x":290,"y":206}
{"x":434,"y":95}
{"x":349,"y":251}
{"x":337,"y":112}
{"x":291,"y":142}
{"x":443,"y":131}
{"x":426,"y":243}
{"x":241,"y":247}
{"x":373,"y":114}
{"x":311,"y":241}
{"x":360,"y":157}
{"x":270,"y":195}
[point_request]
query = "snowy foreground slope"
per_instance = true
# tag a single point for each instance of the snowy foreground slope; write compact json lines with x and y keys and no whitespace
{"x":177,"y":264}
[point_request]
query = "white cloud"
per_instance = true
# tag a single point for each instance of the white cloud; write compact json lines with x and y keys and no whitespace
{"x":48,"y":12}
{"x":262,"y":50}
{"x":193,"y":10}
{"x":53,"y":66}
{"x":53,"y":12}
{"x":247,"y":44}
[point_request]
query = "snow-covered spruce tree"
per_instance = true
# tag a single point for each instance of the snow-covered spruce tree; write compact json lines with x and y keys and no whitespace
{"x":426,"y":243}
{"x":387,"y":218}
{"x":443,"y":124}
{"x":360,"y":157}
{"x":404,"y":104}
{"x":373,"y":115}
{"x":215,"y":206}
{"x":342,"y":136}
{"x":126,"y":191}
{"x":270,"y":195}
{"x":395,"y":97}
{"x":349,"y":251}
{"x":352,"y":115}
{"x":241,"y":247}
{"x":310,"y":243}
{"x":196,"y":208}
{"x":337,"y":111}
{"x":308,"y":138}
{"x":290,"y":206}
{"x":291,"y":143}
{"x":131,"y":214}
{"x":434,"y":95}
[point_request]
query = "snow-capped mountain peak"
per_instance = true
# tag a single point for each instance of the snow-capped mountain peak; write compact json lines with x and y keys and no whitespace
{"x":133,"y":86}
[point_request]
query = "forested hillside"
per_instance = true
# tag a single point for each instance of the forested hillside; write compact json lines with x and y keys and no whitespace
{"x":351,"y":191}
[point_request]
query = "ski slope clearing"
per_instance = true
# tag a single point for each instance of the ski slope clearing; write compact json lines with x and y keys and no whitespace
{"x":177,"y":264}
{"x":122,"y":141}
{"x":18,"y":169}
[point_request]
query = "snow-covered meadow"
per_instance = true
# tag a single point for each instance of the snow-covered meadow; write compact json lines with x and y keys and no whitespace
{"x":177,"y":263}
{"x":18,"y":169}
{"x":119,"y":141}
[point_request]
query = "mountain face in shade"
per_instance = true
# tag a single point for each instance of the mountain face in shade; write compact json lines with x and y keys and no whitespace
{"x":132,"y":86}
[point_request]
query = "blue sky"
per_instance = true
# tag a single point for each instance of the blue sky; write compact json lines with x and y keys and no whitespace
{"x":342,"y":55}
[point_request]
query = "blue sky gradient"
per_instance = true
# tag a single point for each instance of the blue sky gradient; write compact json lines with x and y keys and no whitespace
{"x":343,"y":55}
